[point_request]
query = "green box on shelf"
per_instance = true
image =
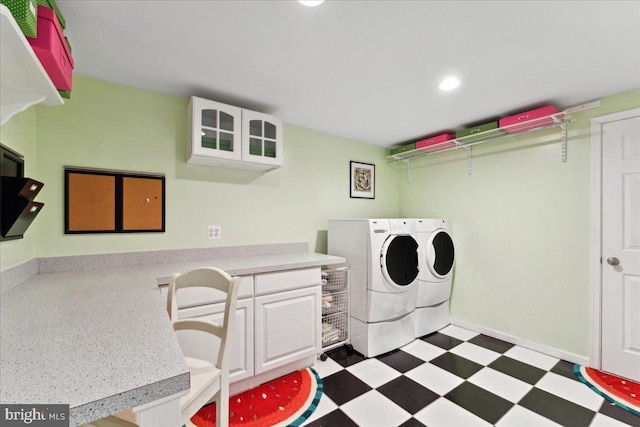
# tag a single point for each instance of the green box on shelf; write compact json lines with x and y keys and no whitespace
{"x":66,"y":94}
{"x":25,"y":12}
{"x":51,"y":4}
{"x":467,"y":134}
{"x":403,"y":149}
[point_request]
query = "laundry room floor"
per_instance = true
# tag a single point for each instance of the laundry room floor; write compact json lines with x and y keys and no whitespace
{"x":456,"y":377}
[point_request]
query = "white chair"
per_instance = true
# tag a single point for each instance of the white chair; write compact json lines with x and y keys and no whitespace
{"x":208,"y":381}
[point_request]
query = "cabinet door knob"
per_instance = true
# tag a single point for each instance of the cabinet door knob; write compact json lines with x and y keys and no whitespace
{"x":613,"y":261}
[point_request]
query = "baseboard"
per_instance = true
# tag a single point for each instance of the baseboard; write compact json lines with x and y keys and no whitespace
{"x":531,"y":345}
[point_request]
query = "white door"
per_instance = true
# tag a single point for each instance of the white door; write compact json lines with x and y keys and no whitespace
{"x":621,"y":246}
{"x":287,"y":327}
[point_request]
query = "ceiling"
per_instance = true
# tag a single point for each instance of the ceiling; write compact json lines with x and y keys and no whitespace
{"x":365,"y":70}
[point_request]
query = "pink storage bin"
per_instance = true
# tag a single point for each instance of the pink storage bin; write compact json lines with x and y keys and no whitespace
{"x":529,"y":119}
{"x":52,"y":50}
{"x":436,"y":143}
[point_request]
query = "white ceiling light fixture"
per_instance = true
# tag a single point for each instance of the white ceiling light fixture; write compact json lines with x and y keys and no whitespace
{"x":311,"y":3}
{"x":449,"y":83}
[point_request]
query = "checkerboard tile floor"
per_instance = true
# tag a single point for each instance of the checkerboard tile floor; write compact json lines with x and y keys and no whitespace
{"x":456,"y":377}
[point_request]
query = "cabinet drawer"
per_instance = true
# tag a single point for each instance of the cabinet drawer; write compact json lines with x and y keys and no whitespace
{"x":285,"y":280}
{"x":193,"y":297}
{"x":204,"y":346}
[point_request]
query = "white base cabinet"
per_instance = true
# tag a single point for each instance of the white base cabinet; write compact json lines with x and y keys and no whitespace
{"x":278,"y":325}
{"x":201,"y":345}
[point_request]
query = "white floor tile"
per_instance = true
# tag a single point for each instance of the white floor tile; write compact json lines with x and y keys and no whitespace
{"x":325,"y":406}
{"x":445,"y":413}
{"x":375,"y":410}
{"x":423,"y":350}
{"x":435,"y":379}
{"x":458,"y":332}
{"x":522,"y":417}
{"x":571,"y":390}
{"x":531,"y":357}
{"x":373,"y":372}
{"x":601,"y":420}
{"x":326,"y":368}
{"x":503,"y":385}
{"x":478,"y":354}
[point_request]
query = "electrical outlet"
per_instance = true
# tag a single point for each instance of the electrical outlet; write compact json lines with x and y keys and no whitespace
{"x":214,"y":232}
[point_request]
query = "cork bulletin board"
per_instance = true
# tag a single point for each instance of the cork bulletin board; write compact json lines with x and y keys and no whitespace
{"x":106,"y":201}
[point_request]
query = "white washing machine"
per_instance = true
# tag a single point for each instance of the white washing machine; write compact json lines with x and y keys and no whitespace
{"x":383,"y":258}
{"x":437,"y":258}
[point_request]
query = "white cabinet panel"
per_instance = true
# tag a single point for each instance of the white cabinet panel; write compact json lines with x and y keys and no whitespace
{"x":287,"y":327}
{"x":285,"y":280}
{"x":192,"y":297}
{"x":205,"y":346}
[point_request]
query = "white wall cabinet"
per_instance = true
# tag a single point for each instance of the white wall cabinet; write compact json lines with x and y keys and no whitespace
{"x":278,"y":325}
{"x":287,"y":327}
{"x":227,"y":136}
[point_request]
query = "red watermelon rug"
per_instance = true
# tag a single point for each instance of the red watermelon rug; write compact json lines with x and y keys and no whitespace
{"x":620,"y":391}
{"x":285,"y":401}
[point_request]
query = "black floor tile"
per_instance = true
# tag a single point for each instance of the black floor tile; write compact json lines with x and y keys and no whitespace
{"x":343,"y":386}
{"x":494,"y":344}
{"x":565,"y":369}
{"x":408,"y":394}
{"x":442,"y":340}
{"x":335,"y":418}
{"x":479,"y":401}
{"x":344,"y":357}
{"x":457,"y":365}
{"x":517,"y":369}
{"x":412,"y":422}
{"x":400,"y":360}
{"x":619,"y":414}
{"x":557,"y":409}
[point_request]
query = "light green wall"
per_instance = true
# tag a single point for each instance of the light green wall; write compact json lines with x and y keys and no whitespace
{"x":521,"y":223}
{"x":19,"y":134}
{"x":106,"y":125}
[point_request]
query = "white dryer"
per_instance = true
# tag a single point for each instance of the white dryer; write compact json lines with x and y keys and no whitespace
{"x":383,"y":258}
{"x":437,"y":258}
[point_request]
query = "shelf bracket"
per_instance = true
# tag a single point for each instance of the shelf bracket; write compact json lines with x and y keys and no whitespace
{"x":468,"y":160}
{"x":408,"y":161}
{"x":563,"y":143}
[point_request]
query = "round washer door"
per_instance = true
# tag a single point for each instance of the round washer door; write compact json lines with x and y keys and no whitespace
{"x":399,"y":260}
{"x":440,"y":254}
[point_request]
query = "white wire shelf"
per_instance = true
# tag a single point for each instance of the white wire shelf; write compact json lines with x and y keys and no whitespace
{"x":553,"y":120}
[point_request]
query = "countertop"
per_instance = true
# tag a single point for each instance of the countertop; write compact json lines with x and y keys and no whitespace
{"x":100,"y":340}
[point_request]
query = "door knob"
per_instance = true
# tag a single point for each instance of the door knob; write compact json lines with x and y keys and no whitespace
{"x":613,"y":261}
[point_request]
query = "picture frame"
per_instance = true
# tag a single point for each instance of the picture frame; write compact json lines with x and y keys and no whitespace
{"x":362,"y":182}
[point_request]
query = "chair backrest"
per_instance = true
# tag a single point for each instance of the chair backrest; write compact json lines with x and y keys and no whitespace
{"x":208,"y":277}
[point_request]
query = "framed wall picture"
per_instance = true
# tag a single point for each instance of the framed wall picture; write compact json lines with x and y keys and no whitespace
{"x":363,"y":180}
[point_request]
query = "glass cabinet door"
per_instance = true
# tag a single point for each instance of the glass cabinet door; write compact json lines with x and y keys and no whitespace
{"x":262,"y":138}
{"x":216,"y":129}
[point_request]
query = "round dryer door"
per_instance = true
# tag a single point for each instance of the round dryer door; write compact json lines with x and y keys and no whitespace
{"x":399,"y":260}
{"x":440,"y":254}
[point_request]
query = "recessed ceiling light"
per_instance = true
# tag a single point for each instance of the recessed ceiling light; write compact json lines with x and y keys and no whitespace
{"x":449,"y":83}
{"x":311,"y":3}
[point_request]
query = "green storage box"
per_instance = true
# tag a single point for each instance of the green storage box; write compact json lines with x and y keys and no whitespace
{"x":468,"y":134}
{"x":25,"y":12}
{"x":51,"y":4}
{"x":403,"y":149}
{"x":66,"y":94}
